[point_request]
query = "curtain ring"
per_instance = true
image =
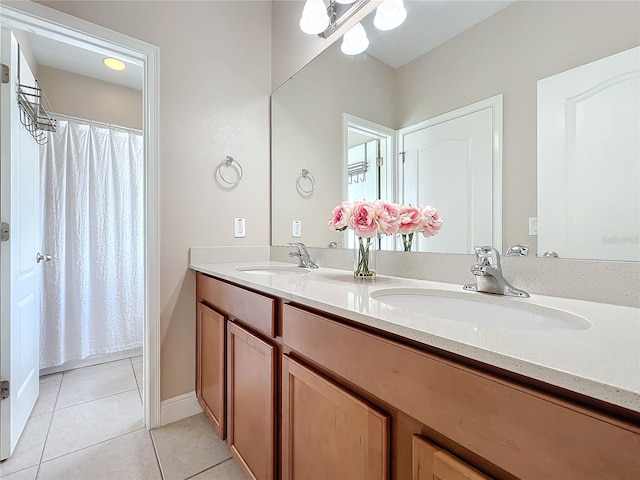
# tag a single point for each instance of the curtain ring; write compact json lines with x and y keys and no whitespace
{"x":310,"y":180}
{"x":229,"y":162}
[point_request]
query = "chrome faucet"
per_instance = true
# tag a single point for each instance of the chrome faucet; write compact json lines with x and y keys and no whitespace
{"x":489,"y":278}
{"x":301,"y":253}
{"x":518,"y":250}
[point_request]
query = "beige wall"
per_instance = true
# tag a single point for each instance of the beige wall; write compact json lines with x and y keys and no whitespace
{"x":508,"y":53}
{"x":92,"y":99}
{"x":214,"y":101}
{"x":308,"y":113}
{"x":291,"y":48}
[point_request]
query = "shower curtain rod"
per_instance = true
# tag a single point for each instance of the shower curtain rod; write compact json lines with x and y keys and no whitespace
{"x":63,"y":116}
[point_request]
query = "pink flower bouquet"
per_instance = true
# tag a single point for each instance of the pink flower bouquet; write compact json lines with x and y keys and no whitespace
{"x":367,"y":219}
{"x":425,"y":220}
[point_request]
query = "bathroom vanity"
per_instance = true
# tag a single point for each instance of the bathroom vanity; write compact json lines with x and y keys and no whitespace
{"x":310,"y":376}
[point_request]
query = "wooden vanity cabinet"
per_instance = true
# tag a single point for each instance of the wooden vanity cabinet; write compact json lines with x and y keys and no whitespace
{"x":328,"y":432}
{"x":210,"y":365}
{"x":496,"y":425}
{"x":355,"y":404}
{"x":236,"y":371}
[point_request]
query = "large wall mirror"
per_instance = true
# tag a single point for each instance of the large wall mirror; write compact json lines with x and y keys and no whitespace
{"x":447,"y":57}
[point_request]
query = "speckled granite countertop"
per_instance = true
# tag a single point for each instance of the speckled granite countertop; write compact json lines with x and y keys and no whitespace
{"x":602,"y":361}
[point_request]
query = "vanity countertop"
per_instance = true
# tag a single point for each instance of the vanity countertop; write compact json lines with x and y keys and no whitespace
{"x":602,"y":361}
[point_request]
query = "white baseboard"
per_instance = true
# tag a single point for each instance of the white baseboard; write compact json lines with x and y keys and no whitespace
{"x":177,"y":408}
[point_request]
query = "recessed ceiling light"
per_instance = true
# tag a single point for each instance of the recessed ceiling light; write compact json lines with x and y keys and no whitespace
{"x":114,"y":63}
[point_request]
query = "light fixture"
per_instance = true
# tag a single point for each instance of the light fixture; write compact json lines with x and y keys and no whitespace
{"x":389,"y":15}
{"x":114,"y":63}
{"x":355,"y":41}
{"x":324,"y":17}
{"x":314,"y":18}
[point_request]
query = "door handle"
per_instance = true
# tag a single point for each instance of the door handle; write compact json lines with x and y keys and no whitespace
{"x":46,"y":257}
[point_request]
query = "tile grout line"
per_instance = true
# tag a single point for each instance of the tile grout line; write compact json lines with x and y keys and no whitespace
{"x":88,"y":446}
{"x":155,"y":451}
{"x":137,"y":383}
{"x":96,"y":399}
{"x":46,"y":438}
{"x":210,"y":468}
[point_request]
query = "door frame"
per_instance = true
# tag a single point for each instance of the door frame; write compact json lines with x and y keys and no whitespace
{"x":388,"y":185}
{"x":57,"y":25}
{"x":495,"y":104}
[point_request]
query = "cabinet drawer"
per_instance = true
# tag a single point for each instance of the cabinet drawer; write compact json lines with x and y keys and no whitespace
{"x":509,"y":425}
{"x":249,"y":307}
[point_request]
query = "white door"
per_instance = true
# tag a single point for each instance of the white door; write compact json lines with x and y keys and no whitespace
{"x":453,"y":164}
{"x":589,"y":160}
{"x":19,"y":271}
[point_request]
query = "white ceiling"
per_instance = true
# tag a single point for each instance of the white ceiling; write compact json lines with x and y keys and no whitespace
{"x":81,"y":61}
{"x":429,"y":23}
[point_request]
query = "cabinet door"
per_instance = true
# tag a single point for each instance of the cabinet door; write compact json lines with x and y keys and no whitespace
{"x":210,"y":362}
{"x":252,"y":403}
{"x":327,"y":432}
{"x":430,"y":462}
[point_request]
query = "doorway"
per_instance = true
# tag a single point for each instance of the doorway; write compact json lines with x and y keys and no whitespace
{"x":42,"y":21}
{"x":368,"y":166}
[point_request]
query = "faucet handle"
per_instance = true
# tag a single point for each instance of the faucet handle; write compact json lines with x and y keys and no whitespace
{"x":488,"y":256}
{"x":518,"y":250}
{"x":298,"y":246}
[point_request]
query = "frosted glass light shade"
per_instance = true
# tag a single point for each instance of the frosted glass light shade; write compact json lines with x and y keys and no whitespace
{"x":355,"y":41}
{"x":389,"y":15}
{"x":314,"y":18}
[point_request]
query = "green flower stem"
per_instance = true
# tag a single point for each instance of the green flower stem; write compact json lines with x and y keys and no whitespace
{"x":362,"y":269}
{"x":407,"y":240}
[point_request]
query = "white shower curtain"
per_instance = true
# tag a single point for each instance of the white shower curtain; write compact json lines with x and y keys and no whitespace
{"x":92,"y":219}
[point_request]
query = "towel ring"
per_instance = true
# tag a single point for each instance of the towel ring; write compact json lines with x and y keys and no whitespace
{"x":229,"y":162}
{"x":305,"y":177}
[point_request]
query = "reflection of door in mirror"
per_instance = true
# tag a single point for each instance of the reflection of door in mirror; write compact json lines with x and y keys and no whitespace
{"x":589,"y":160}
{"x":368,"y":166}
{"x":453,"y":162}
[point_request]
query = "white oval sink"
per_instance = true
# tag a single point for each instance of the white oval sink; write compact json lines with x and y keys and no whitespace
{"x":479,"y":311}
{"x":271,"y":270}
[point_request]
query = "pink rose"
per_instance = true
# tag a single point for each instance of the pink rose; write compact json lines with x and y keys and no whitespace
{"x":362,"y":219}
{"x":340,"y":216}
{"x":387,"y":216}
{"x":410,"y":219}
{"x":431,"y":221}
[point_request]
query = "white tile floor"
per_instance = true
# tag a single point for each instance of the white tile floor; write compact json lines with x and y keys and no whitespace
{"x":87,"y":425}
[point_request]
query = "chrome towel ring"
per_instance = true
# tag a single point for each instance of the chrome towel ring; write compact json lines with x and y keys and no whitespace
{"x":305,"y":183}
{"x":232,"y":167}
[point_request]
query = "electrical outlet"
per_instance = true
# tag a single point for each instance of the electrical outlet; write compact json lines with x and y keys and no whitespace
{"x":533,"y":226}
{"x":297,"y":229}
{"x":238,"y":228}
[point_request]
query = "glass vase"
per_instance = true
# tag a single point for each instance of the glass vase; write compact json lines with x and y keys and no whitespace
{"x":364,"y":259}
{"x":407,"y":241}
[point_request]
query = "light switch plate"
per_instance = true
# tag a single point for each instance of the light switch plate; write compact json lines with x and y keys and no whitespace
{"x":297,"y":229}
{"x":533,"y":226}
{"x":238,"y":228}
